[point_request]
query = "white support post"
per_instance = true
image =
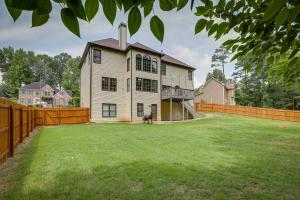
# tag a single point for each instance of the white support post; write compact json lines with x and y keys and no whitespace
{"x":182,"y":109}
{"x":171,"y":109}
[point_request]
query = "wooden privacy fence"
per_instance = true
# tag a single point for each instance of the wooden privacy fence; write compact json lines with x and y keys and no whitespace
{"x":268,"y":113}
{"x":17,"y":121}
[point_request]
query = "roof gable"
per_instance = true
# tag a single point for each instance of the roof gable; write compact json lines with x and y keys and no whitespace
{"x":113,"y":44}
{"x":35,"y":86}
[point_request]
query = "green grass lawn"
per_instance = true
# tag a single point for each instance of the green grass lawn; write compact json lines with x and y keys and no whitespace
{"x":223,"y":157}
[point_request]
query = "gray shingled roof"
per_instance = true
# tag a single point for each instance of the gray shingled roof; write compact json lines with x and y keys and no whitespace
{"x":113,"y":44}
{"x":34,"y":85}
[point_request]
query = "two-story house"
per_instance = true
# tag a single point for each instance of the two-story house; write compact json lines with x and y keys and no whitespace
{"x":214,"y":91}
{"x":62,"y":98}
{"x":123,"y":82}
{"x":36,"y":93}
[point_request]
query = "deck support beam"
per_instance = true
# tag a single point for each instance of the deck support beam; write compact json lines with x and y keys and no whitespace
{"x":182,"y":109}
{"x":171,"y":109}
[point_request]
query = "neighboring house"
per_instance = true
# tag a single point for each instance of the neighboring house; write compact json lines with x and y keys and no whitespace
{"x":124,"y":82}
{"x":36,"y":93}
{"x":214,"y":91}
{"x":62,"y":98}
{"x":39,"y":93}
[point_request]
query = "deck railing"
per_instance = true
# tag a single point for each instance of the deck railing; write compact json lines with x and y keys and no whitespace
{"x":177,"y":93}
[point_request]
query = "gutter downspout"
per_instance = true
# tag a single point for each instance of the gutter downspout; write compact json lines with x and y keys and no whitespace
{"x":131,"y":84}
{"x":91,"y":75}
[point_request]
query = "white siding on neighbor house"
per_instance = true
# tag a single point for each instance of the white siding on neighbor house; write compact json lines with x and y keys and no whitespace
{"x":113,"y":65}
{"x":147,"y":98}
{"x":177,"y":76}
{"x":85,"y":83}
{"x":229,"y":97}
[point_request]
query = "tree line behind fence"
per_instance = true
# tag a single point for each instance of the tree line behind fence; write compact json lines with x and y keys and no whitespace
{"x":17,"y":121}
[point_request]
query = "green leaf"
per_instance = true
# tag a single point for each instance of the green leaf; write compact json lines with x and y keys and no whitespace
{"x":221,"y":4}
{"x":285,"y":47}
{"x":119,"y":4}
{"x":270,"y":60}
{"x":273,"y":7}
{"x":14,"y":13}
{"x":293,"y":61}
{"x":91,"y":8}
{"x":212,"y":29}
{"x":167,"y":5}
{"x":24,"y":4}
{"x":77,"y":8}
{"x":134,"y":20}
{"x":294,"y":13}
{"x":181,"y":4}
{"x":281,"y":17}
{"x":109,"y":9}
{"x":200,"y":25}
{"x":38,"y":20}
{"x":229,"y":5}
{"x":128,"y":4}
{"x":148,"y":8}
{"x":43,"y":7}
{"x":70,"y":20}
{"x":157,"y":28}
{"x":208,"y":24}
{"x":229,"y":42}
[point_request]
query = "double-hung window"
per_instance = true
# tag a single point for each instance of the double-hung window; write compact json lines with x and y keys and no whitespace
{"x":146,"y":85}
{"x":109,"y":84}
{"x":128,"y":84}
{"x":154,"y":65}
{"x":154,"y":85}
{"x":146,"y":63}
{"x":97,"y":56}
{"x":190,"y":75}
{"x":128,"y":64}
{"x":109,"y":110}
{"x":163,"y":69}
{"x":138,"y":62}
{"x":139,"y":84}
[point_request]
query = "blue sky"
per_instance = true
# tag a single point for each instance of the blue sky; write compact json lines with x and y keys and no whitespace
{"x":53,"y":38}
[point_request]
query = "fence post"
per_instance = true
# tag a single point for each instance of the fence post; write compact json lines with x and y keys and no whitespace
{"x":11,"y":131}
{"x":28,"y":111}
{"x":21,"y":125}
{"x":59,"y":116}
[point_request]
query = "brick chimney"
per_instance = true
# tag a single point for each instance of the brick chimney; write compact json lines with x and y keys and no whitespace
{"x":122,"y":36}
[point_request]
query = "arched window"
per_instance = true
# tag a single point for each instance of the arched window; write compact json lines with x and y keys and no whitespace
{"x":138,"y":62}
{"x":154,"y":65}
{"x":146,"y":63}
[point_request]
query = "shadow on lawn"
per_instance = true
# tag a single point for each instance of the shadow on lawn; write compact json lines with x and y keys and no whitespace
{"x":142,"y":180}
{"x":135,"y":180}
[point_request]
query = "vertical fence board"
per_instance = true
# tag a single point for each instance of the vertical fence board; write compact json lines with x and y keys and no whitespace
{"x":17,"y":122}
{"x":276,"y":114}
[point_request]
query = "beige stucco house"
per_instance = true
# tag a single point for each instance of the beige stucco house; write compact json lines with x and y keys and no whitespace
{"x":36,"y":93}
{"x":39,"y":93}
{"x":123,"y":82}
{"x":62,"y":98}
{"x":214,"y":91}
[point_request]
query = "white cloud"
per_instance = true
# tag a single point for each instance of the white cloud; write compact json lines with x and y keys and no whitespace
{"x":75,"y":50}
{"x":193,"y":57}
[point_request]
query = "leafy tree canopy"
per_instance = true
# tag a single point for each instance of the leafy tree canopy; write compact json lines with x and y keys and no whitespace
{"x":19,"y":66}
{"x":217,"y":74}
{"x":269,"y":27}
